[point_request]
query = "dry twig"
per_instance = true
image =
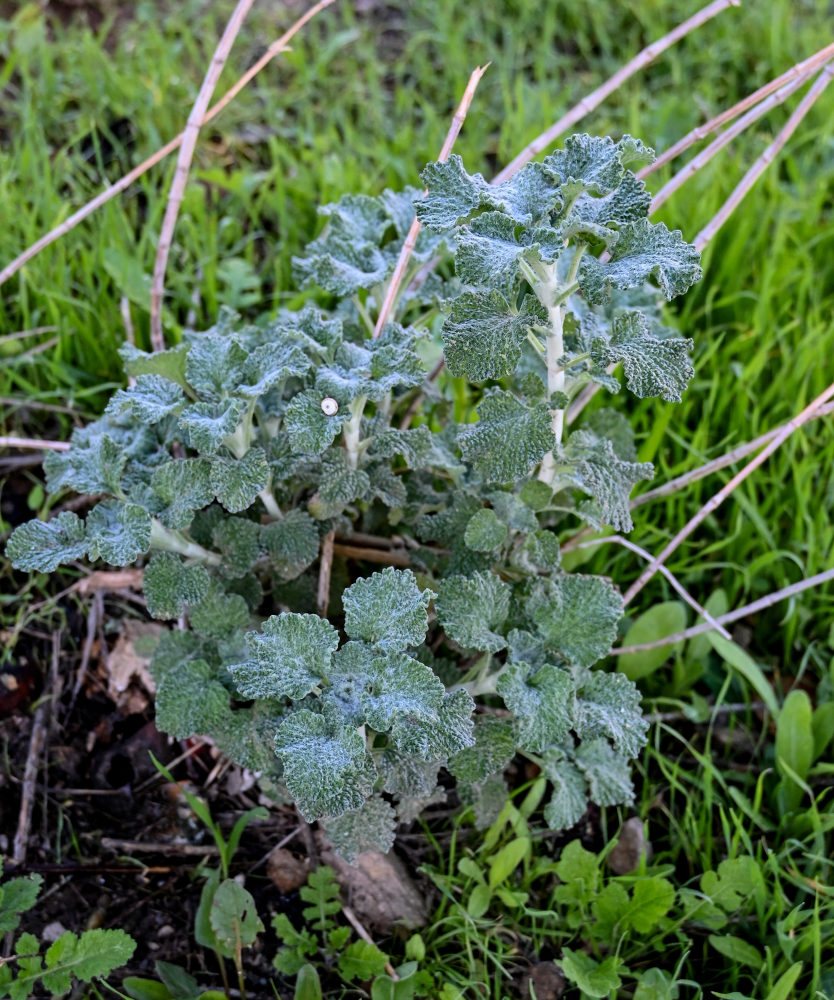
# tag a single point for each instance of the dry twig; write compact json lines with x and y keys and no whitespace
{"x":387,"y":557}
{"x":189,"y":143}
{"x":325,"y":569}
{"x":593,"y":100}
{"x":18,"y":442}
{"x":411,"y":239}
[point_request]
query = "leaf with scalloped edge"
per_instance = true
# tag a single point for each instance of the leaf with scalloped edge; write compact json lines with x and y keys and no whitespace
{"x":452,"y":195}
{"x":237,"y":481}
{"x":238,"y":541}
{"x":339,"y":485}
{"x":368,"y":828}
{"x":608,"y":704}
{"x":509,"y":439}
{"x":643,"y":250}
{"x":607,"y":772}
{"x":326,"y":767}
{"x":485,"y":532}
{"x":151,"y":399}
{"x":207,"y":424}
{"x":288,"y":659}
{"x":490,"y":248}
{"x":541,"y":700}
{"x":406,"y":776}
{"x":184,"y":486}
{"x":291,"y":543}
{"x":311,"y":430}
{"x":170,"y":586}
{"x":45,"y":545}
{"x":269,"y":365}
{"x":215,"y":364}
{"x":413,"y":444}
{"x":652,"y":366}
{"x":576,"y":616}
{"x":529,"y":196}
{"x":93,"y":464}
{"x":387,"y":609}
{"x":483,"y":334}
{"x":472,"y":609}
{"x":189,"y":700}
{"x":169,"y":364}
{"x":400,"y":686}
{"x":95,"y":953}
{"x":569,"y":792}
{"x":492,"y":751}
{"x":596,"y":165}
{"x":219,"y":614}
{"x":118,"y":532}
{"x":438,"y":739}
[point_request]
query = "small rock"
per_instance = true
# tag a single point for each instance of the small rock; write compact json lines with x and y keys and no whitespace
{"x":543,"y":981}
{"x":166,"y":930}
{"x":286,"y":871}
{"x":630,"y":848}
{"x":53,"y":931}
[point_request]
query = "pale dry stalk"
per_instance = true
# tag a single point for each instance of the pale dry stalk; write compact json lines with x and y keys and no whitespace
{"x":810,"y":411}
{"x":186,"y":154}
{"x":121,"y":185}
{"x":801,"y":69}
{"x":36,"y":443}
{"x":749,"y":609}
{"x":762,"y":163}
{"x":411,"y":239}
{"x":593,"y":100}
{"x":325,"y":570}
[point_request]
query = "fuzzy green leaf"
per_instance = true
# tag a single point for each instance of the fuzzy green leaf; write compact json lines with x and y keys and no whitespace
{"x":150,"y":400}
{"x":326,"y":768}
{"x":541,"y":700}
{"x":529,"y":196}
{"x":309,"y":428}
{"x":219,"y":614}
{"x":576,"y":616}
{"x":93,"y":464}
{"x":184,"y":486}
{"x":490,"y":247}
{"x":472,"y":609}
{"x":190,"y":701}
{"x":608,"y":773}
{"x":510,"y":438}
{"x":45,"y":545}
{"x":414,"y":445}
{"x":440,"y":739}
{"x":207,"y":424}
{"x":236,"y":482}
{"x":269,"y":365}
{"x":483,"y":334}
{"x":349,"y":678}
{"x":569,"y":797}
{"x":118,"y":532}
{"x":400,"y":686}
{"x":387,"y":609}
{"x":292,"y":543}
{"x":289,"y":658}
{"x":451,"y":194}
{"x":643,"y":250}
{"x":339,"y":485}
{"x":368,"y":828}
{"x":215,"y":364}
{"x":652,"y":366}
{"x":609,"y":705}
{"x":484,"y":532}
{"x":596,"y":165}
{"x":17,"y":896}
{"x":169,"y":364}
{"x":239,"y":542}
{"x":170,"y":585}
{"x":493,"y":750}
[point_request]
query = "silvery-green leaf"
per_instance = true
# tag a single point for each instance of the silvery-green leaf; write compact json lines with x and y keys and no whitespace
{"x":215,"y":364}
{"x":486,"y":798}
{"x":513,"y":510}
{"x":452,"y":194}
{"x":269,"y":365}
{"x":237,"y":481}
{"x":174,"y":648}
{"x":288,"y":659}
{"x":189,"y":700}
{"x":488,"y":251}
{"x":170,"y":586}
{"x":438,"y":739}
{"x":493,"y":750}
{"x":387,"y":609}
{"x":387,"y":486}
{"x":541,"y":700}
{"x":45,"y":545}
{"x":292,"y":543}
{"x":348,"y":677}
{"x":313,"y":331}
{"x":576,"y":616}
{"x":150,"y":399}
{"x":346,"y":256}
{"x":309,"y":428}
{"x":93,"y":464}
{"x":613,"y":425}
{"x":340,"y":485}
{"x":596,"y":165}
{"x":414,"y":445}
{"x":608,"y":704}
{"x":407,"y":777}
{"x":569,"y":796}
{"x":595,"y":468}
{"x":539,"y":551}
{"x":400,"y":686}
{"x":529,"y":195}
{"x":652,"y":367}
{"x":219,"y":614}
{"x":484,"y":532}
{"x":472,"y":609}
{"x":238,"y":541}
{"x":643,"y":250}
{"x":206,"y":424}
{"x":448,"y":525}
{"x":391,"y":367}
{"x":118,"y":532}
{"x":626,"y":203}
{"x":483,"y":334}
{"x":409,"y":807}
{"x":184,"y":486}
{"x":368,"y":828}
{"x":326,"y":767}
{"x":510,"y":438}
{"x":245,"y":736}
{"x":169,"y":364}
{"x":364,"y":217}
{"x":607,"y":772}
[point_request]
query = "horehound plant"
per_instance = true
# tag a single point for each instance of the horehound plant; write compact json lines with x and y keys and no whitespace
{"x":240,"y":461}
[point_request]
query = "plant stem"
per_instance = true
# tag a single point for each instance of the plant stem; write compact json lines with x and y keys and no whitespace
{"x":166,"y":540}
{"x":271,"y":504}
{"x":351,"y":431}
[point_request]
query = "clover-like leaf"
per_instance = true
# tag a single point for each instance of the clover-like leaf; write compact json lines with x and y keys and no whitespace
{"x":483,"y":334}
{"x":643,"y":250}
{"x":493,"y":750}
{"x":607,"y":772}
{"x":236,"y":482}
{"x":292,"y":543}
{"x":118,"y":532}
{"x":289,"y":658}
{"x":207,"y":424}
{"x":326,"y":767}
{"x":387,"y":609}
{"x":472,"y":610}
{"x":45,"y":545}
{"x":368,"y":828}
{"x":541,"y":700}
{"x":400,"y":686}
{"x":170,"y":586}
{"x":608,"y":704}
{"x":576,"y":616}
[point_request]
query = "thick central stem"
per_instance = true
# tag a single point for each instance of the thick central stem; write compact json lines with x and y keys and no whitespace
{"x":352,"y":430}
{"x":555,"y":349}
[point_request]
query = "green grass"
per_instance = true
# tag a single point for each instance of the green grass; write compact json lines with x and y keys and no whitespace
{"x":362,"y":102}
